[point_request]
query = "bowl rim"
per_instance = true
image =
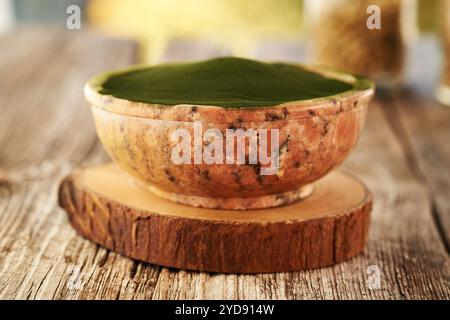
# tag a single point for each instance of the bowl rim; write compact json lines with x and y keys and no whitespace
{"x":363,"y":91}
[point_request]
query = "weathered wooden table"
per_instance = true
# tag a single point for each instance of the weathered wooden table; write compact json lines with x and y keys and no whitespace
{"x":46,"y":130}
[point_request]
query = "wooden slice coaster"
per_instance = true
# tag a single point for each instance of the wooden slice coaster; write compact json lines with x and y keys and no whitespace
{"x":106,"y":206}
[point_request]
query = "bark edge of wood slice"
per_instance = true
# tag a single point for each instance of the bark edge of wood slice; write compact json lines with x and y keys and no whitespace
{"x":106,"y":206}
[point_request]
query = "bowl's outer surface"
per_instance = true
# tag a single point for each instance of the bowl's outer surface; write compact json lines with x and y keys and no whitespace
{"x":309,"y":148}
{"x":315,"y":136}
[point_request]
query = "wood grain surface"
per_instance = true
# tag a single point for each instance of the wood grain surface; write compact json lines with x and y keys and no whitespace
{"x":106,"y":205}
{"x":46,"y":130}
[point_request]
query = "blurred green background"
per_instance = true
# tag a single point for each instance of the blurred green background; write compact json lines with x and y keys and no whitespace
{"x":227,"y":26}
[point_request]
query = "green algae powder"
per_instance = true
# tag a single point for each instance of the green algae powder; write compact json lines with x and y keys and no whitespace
{"x":225,"y":82}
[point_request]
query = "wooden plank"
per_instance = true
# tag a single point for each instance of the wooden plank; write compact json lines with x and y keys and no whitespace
{"x":423,"y":127}
{"x":45,"y":131}
{"x":403,"y":242}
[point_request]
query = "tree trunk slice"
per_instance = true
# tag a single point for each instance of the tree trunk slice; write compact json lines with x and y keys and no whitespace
{"x":3,"y":178}
{"x":106,"y":206}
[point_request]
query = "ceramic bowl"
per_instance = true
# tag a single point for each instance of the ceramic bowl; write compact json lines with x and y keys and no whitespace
{"x":315,"y":136}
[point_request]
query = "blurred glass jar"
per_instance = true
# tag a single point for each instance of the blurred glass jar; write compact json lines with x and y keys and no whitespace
{"x":338,"y":35}
{"x":443,"y":93}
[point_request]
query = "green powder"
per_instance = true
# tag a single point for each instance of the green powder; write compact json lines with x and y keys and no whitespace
{"x":226,"y":82}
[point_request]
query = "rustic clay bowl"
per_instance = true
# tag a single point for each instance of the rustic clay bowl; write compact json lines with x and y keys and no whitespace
{"x":315,"y":136}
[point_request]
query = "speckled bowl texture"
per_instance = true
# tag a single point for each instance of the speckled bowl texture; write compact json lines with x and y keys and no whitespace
{"x":315,"y":136}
